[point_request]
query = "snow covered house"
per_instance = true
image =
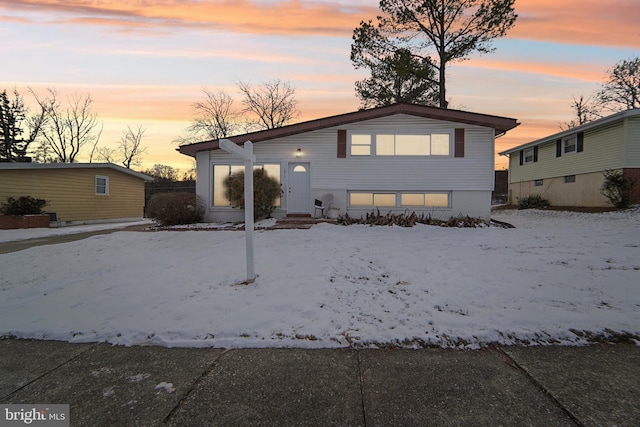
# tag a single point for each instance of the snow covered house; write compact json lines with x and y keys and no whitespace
{"x":567,"y":168}
{"x":402,"y":157}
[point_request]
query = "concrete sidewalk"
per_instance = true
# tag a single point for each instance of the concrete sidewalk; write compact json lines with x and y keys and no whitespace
{"x":153,"y":386}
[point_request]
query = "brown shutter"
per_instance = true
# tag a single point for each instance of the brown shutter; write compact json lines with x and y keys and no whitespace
{"x":342,"y":143}
{"x":580,"y":142}
{"x":459,"y":143}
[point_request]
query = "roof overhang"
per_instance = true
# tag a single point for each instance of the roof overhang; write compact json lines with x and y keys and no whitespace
{"x":588,"y":126}
{"x":500,"y":124}
{"x":54,"y":166}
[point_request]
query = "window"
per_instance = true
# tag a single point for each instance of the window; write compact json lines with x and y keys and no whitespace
{"x":360,"y":145}
{"x":102,"y":185}
{"x":569,"y":145}
{"x":538,"y":183}
{"x":221,"y":172}
{"x":569,"y":178}
{"x":436,"y":144}
{"x":528,"y":155}
{"x":371,"y":199}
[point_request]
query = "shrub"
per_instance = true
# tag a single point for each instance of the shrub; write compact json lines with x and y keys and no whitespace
{"x":534,"y":201}
{"x":266,"y":190}
{"x":175,"y":208}
{"x":409,"y":219}
{"x":23,"y":205}
{"x":617,"y":188}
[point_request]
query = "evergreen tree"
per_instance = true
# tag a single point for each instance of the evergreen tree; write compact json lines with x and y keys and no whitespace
{"x":17,"y":129}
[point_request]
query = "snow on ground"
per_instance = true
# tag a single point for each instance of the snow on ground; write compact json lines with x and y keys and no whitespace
{"x":559,"y":277}
{"x":36,"y":233}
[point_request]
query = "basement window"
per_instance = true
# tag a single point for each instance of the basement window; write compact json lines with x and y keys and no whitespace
{"x":569,"y":178}
{"x":538,"y":183}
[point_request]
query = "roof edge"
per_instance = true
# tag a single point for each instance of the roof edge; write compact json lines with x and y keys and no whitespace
{"x":500,"y":124}
{"x":587,"y":126}
{"x":34,"y":166}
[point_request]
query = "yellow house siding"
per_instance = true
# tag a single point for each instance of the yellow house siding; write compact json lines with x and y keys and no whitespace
{"x":585,"y":191}
{"x":603,"y":149}
{"x":71,"y":192}
{"x":632,"y":145}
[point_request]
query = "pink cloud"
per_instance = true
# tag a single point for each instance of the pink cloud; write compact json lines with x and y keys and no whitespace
{"x":281,"y":18}
{"x":588,"y":22}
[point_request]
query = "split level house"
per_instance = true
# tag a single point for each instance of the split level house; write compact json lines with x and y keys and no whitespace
{"x":567,"y":168}
{"x":78,"y":193}
{"x":398,"y":158}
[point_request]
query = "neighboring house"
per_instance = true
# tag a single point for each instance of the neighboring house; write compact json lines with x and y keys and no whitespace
{"x":399,"y":158}
{"x":567,"y":168}
{"x":78,"y":192}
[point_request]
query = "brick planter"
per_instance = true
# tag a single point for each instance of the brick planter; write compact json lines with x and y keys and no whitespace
{"x":11,"y":222}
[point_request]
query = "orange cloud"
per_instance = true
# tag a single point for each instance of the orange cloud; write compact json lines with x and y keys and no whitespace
{"x":586,"y":72}
{"x":588,"y":22}
{"x":281,"y":18}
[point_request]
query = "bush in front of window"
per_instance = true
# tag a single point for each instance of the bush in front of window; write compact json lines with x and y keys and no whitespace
{"x":23,"y":205}
{"x":266,"y":190}
{"x":175,"y":208}
{"x":534,"y":201}
{"x":617,"y":188}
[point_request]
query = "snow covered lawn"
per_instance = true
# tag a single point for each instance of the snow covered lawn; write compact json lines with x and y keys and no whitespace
{"x":559,"y":277}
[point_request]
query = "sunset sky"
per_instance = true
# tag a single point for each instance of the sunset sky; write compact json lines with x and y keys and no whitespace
{"x":144,"y":62}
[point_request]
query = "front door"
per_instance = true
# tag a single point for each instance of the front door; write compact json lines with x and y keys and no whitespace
{"x":299,"y":191}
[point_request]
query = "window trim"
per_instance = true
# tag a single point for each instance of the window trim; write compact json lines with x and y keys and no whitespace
{"x":106,"y":185}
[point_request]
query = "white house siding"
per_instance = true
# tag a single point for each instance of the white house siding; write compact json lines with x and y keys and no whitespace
{"x":469,"y":179}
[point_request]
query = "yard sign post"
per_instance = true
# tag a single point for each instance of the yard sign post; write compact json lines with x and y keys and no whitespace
{"x":245,"y":153}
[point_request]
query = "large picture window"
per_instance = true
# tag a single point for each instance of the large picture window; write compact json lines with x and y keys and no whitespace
{"x":387,"y":144}
{"x":222,"y":171}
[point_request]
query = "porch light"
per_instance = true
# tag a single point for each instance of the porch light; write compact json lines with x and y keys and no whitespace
{"x":298,"y":153}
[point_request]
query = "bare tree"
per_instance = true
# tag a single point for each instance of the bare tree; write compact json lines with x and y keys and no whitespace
{"x":621,"y":91}
{"x":131,"y":146}
{"x":272,"y":104}
{"x":107,"y":154}
{"x":585,"y":111}
{"x":68,"y":129}
{"x":215,"y":118}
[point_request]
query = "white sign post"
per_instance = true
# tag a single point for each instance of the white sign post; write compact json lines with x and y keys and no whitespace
{"x":245,"y":153}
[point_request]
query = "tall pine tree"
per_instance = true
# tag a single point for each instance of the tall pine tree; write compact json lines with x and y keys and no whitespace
{"x":17,"y":129}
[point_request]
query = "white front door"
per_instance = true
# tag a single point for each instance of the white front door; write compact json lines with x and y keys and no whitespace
{"x":299,"y":191}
